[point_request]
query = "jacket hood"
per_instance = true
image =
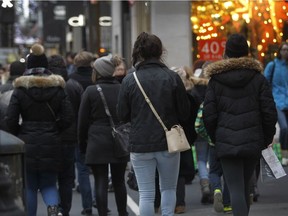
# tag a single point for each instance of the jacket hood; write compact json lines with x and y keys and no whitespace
{"x":234,"y":72}
{"x":40,"y":88}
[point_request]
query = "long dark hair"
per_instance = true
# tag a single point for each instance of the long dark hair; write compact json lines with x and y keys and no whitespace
{"x":280,"y":47}
{"x":147,"y":46}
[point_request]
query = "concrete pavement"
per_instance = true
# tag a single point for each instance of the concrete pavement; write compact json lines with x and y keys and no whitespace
{"x":273,"y":201}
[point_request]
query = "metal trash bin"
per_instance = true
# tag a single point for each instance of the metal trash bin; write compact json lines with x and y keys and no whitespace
{"x":11,"y":175}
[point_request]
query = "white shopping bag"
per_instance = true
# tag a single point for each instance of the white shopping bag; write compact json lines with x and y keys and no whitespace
{"x":273,"y":162}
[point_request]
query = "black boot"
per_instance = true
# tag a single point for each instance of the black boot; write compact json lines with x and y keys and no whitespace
{"x":205,"y":189}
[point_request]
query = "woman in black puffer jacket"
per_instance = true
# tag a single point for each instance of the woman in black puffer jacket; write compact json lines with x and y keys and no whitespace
{"x":45,"y":111}
{"x":240,"y":117}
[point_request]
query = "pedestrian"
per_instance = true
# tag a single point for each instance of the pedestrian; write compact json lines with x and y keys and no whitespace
{"x":69,"y":60}
{"x":187,"y":168}
{"x":148,"y":143}
{"x":276,"y":73}
{"x":201,"y":145}
{"x":95,"y":135}
{"x":17,"y":68}
{"x":4,"y":75}
{"x":66,"y":176}
{"x":39,"y":98}
{"x":221,"y":202}
{"x":120,"y":70}
{"x":76,"y":85}
{"x":239,"y":116}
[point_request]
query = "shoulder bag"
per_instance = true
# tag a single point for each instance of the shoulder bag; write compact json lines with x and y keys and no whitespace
{"x":176,"y":138}
{"x":120,"y":133}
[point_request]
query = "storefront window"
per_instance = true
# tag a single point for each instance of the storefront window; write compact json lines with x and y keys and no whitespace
{"x":263,"y":22}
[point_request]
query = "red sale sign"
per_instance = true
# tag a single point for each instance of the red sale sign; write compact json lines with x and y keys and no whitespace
{"x":211,"y":50}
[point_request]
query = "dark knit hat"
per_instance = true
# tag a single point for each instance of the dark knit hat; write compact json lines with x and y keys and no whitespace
{"x":104,"y":66}
{"x":37,"y":57}
{"x":17,"y":68}
{"x":236,"y":46}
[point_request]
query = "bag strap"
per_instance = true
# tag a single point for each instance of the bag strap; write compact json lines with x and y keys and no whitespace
{"x":149,"y":102}
{"x":51,"y":110}
{"x":105,"y":106}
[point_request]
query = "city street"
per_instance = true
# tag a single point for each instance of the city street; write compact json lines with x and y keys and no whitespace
{"x":273,"y":200}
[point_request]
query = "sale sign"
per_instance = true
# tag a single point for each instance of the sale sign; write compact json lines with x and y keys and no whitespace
{"x":211,"y":50}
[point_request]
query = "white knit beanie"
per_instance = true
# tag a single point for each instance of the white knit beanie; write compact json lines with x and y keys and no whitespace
{"x":104,"y":66}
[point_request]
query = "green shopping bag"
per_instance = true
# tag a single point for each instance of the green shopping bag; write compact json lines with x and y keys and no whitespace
{"x":194,"y":157}
{"x":277,"y":150}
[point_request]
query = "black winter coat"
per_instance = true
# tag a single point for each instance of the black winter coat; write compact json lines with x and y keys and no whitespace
{"x":75,"y":87}
{"x":239,"y":111}
{"x":168,"y":96}
{"x":94,"y":129}
{"x":39,"y":129}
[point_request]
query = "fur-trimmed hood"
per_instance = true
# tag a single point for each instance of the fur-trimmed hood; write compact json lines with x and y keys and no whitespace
{"x":234,"y":72}
{"x":39,"y":81}
{"x":40,"y":88}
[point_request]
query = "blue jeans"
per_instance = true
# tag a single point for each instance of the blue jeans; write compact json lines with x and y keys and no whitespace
{"x":83,"y":173}
{"x":202,"y":153}
{"x":283,"y":124}
{"x":66,"y":179}
{"x":145,"y":165}
{"x":215,"y":174}
{"x":46,"y":183}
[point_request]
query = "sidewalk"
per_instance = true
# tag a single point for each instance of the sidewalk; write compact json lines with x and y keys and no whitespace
{"x":273,"y":200}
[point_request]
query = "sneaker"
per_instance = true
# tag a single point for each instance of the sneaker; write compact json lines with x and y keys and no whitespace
{"x":86,"y":212}
{"x":180,"y":209}
{"x":218,"y":202}
{"x":227,"y":209}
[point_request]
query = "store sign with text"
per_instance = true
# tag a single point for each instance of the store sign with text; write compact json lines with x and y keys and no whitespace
{"x":211,"y":50}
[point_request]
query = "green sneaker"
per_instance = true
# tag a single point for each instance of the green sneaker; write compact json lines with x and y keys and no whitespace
{"x":227,"y":209}
{"x":218,"y":202}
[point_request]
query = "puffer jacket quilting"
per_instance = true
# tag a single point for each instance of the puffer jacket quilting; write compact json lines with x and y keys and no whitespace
{"x":239,"y":111}
{"x":39,"y":129}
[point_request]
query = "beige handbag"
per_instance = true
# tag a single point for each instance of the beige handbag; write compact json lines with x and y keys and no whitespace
{"x":176,"y":138}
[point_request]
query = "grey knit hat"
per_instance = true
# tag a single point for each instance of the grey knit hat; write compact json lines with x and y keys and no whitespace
{"x":104,"y":66}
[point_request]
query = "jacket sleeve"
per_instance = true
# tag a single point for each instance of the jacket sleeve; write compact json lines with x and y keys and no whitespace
{"x":123,"y":106}
{"x":210,"y":115}
{"x":13,"y":114}
{"x":83,"y":121}
{"x":268,"y":70}
{"x":67,"y":113}
{"x":74,"y":91}
{"x":268,"y":112}
{"x":182,"y":101}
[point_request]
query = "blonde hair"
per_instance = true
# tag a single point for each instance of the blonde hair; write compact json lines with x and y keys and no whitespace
{"x":185,"y":74}
{"x":83,"y":59}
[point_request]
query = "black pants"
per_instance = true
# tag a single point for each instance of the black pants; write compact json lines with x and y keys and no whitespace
{"x":66,"y":179}
{"x":238,"y":173}
{"x":100,"y":172}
